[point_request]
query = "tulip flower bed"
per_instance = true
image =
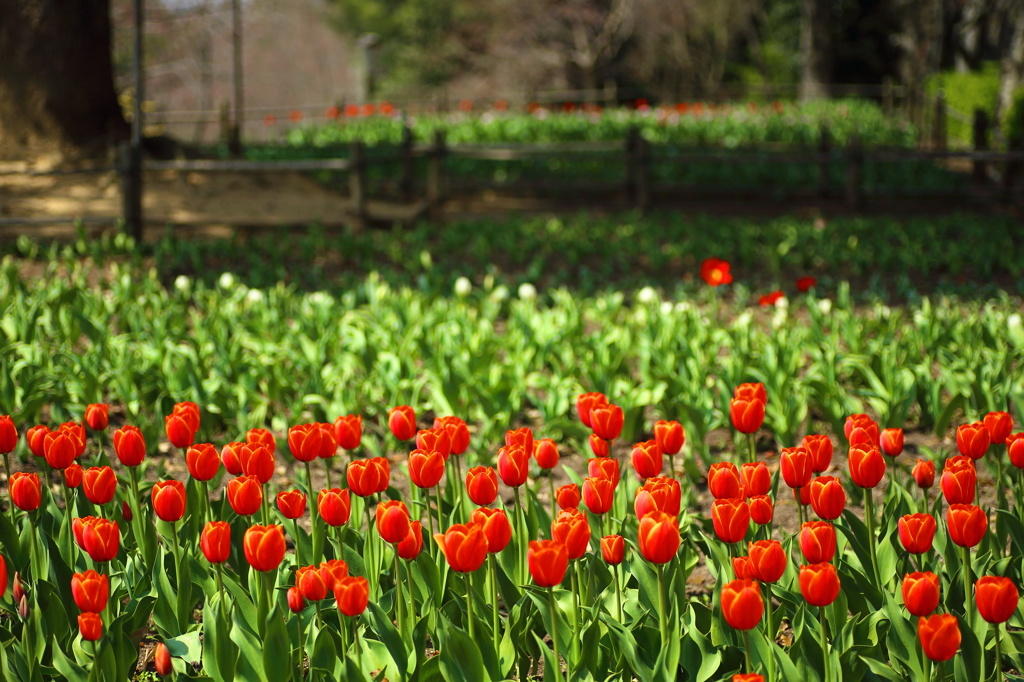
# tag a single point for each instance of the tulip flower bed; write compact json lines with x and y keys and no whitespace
{"x":575,"y":488}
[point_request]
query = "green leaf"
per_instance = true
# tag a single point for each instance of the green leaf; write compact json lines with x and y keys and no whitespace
{"x":460,"y":657}
{"x":277,"y":651}
{"x":249,"y":666}
{"x":71,"y":670}
{"x":325,"y":657}
{"x":219,"y":652}
{"x":627,"y":645}
{"x":185,"y":647}
{"x":388,"y":634}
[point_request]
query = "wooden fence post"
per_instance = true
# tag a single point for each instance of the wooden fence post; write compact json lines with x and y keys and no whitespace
{"x":357,"y":186}
{"x":854,"y":164}
{"x":408,"y":165}
{"x":939,"y":121}
{"x":643,"y":186}
{"x":980,"y":144}
{"x":825,"y":149}
{"x":129,"y":165}
{"x":434,"y":175}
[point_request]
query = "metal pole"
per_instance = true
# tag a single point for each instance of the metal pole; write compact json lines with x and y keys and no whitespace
{"x":236,"y":42}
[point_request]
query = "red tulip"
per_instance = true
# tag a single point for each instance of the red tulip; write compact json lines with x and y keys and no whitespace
{"x":820,"y":449}
{"x":598,"y":445}
{"x":731,"y":518}
{"x":724,"y":480}
{"x":604,"y":467}
{"x":568,"y":496}
{"x":966,"y":523}
{"x":348,"y":431}
{"x":90,"y":591}
{"x":393,"y":521}
{"x":924,"y":473}
{"x":162,"y":660}
{"x":795,"y":464}
{"x":828,"y":498}
{"x":335,"y":506}
{"x":333,"y":571}
{"x":819,"y":583}
{"x":264,"y":547}
{"x":434,"y":440}
{"x":958,"y":480}
{"x":215,"y":541}
{"x":715,"y":272}
{"x":818,"y":541}
{"x":189,"y":411}
{"x":522,"y":437}
{"x":570,"y":528}
{"x":997,"y":598}
{"x":646,"y":459}
{"x":751,"y":391}
{"x":35,"y":437}
{"x":410,"y":547}
{"x":670,"y":436}
{"x":482,"y":485}
{"x":916,"y":532}
{"x":25,"y":490}
{"x":203,"y":461}
{"x":606,"y":420}
{"x":245,"y":495}
{"x":598,"y":494}
{"x":426,"y":468}
{"x":178,"y":430}
{"x":861,"y":430}
{"x":973,"y":439}
{"x":305,"y":441}
{"x":742,"y":569}
{"x":658,"y":537}
{"x":291,"y":503}
{"x":457,"y":430}
{"x":402,"y":422}
{"x":805,"y":284}
{"x":8,"y":435}
{"x":368,"y":476}
{"x":256,"y":461}
{"x":548,"y":560}
{"x":496,"y":527}
{"x":311,"y":583}
{"x":129,"y":445}
{"x":99,"y":484}
{"x":613,"y":549}
{"x":102,"y":539}
{"x":742,"y":605}
{"x":78,"y":530}
{"x":513,"y":465}
{"x":1015,"y":449}
{"x":585,"y":402}
{"x":747,"y":415}
{"x":767,"y":560}
{"x":867,"y":466}
{"x":891,"y":441}
{"x":73,"y":475}
{"x":999,"y":425}
{"x":761,"y":509}
{"x":921,"y":593}
{"x":940,"y":636}
{"x":126,"y":512}
{"x":229,"y":457}
{"x":465,"y":547}
{"x":91,"y":626}
{"x":352,"y":594}
{"x":658,"y":494}
{"x":756,"y":479}
{"x":545,"y":451}
{"x":261,"y":437}
{"x":296,"y":604}
{"x":169,"y":500}
{"x":97,"y":416}
{"x":59,"y":449}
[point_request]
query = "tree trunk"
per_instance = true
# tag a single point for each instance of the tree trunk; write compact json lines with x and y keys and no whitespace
{"x":815,"y":48}
{"x":56,"y":83}
{"x":1011,"y":66}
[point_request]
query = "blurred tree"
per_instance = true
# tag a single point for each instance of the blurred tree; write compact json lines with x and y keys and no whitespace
{"x":56,"y":82}
{"x":815,"y":48}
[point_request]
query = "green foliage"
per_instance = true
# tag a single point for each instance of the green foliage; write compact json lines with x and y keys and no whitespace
{"x":966,"y":92}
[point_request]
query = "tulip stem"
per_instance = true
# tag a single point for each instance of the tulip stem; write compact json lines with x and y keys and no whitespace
{"x":266,"y":506}
{"x":220,"y":581}
{"x":469,"y":605}
{"x":618,"y":592}
{"x":751,"y":448}
{"x":968,"y":615}
{"x":399,"y":597}
{"x":206,"y":500}
{"x":770,"y":632}
{"x":10,"y":500}
{"x":663,"y":606}
{"x":430,"y":522}
{"x":302,"y":654}
{"x":327,"y":471}
{"x":824,"y":643}
{"x":575,"y":614}
{"x":320,"y":619}
{"x":554,"y":632}
{"x":298,"y":550}
{"x":551,"y":489}
{"x":869,"y":518}
{"x":371,"y":572}
{"x":37,"y":559}
{"x":177,"y":551}
{"x":520,"y":554}
{"x":355,"y":643}
{"x":495,"y":618}
{"x":998,"y":668}
{"x":746,"y":651}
